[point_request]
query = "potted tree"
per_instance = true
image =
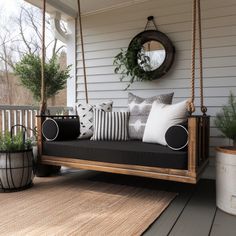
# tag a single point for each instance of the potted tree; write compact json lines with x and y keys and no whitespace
{"x":16,"y":161}
{"x":226,"y":159}
{"x":29,"y":71}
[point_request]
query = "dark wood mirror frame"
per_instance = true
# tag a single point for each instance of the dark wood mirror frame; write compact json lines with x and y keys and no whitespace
{"x":155,"y":35}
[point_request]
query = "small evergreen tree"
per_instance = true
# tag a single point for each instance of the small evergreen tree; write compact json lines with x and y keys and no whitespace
{"x":29,"y":72}
{"x":226,"y":119}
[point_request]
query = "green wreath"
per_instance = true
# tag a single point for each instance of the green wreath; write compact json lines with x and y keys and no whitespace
{"x":126,"y":66}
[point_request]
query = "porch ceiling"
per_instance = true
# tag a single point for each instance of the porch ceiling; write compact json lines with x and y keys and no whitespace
{"x":68,"y":8}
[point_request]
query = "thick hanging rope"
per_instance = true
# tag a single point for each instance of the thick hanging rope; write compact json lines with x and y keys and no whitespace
{"x":196,"y":17}
{"x":191,"y":107}
{"x":43,"y":105}
{"x":82,"y":51}
{"x":203,"y":108}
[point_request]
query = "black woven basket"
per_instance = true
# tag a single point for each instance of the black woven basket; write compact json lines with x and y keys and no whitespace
{"x":16,"y":167}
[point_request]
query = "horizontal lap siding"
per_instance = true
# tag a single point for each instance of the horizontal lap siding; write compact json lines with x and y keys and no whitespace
{"x":106,"y":33}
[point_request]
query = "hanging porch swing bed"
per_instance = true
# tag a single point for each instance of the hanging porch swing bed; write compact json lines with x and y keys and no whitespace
{"x":132,"y":157}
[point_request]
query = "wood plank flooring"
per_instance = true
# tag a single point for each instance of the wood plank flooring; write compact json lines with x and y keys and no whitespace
{"x":192,"y":213}
{"x":196,"y":214}
{"x":224,"y":224}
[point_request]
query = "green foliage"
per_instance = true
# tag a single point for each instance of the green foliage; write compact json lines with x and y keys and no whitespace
{"x":14,"y":143}
{"x":226,"y":119}
{"x":127,"y":63}
{"x":29,"y":71}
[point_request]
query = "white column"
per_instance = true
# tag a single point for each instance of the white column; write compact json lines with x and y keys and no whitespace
{"x":71,"y":60}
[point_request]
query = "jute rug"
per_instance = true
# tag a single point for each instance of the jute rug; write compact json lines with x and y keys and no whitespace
{"x":71,"y":205}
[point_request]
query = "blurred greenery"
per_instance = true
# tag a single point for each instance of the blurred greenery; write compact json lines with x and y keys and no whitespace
{"x":14,"y":143}
{"x":226,"y":119}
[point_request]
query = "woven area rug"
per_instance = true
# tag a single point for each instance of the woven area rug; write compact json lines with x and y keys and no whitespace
{"x":71,"y":205}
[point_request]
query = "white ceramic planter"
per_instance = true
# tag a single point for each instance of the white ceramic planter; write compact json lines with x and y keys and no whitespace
{"x":16,"y":170}
{"x":226,"y":180}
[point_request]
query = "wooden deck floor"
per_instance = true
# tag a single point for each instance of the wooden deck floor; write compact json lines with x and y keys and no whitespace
{"x":192,"y":213}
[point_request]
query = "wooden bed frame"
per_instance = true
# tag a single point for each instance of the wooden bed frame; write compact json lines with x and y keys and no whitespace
{"x":198,"y":156}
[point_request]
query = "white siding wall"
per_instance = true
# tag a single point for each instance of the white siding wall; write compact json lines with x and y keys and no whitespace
{"x":106,"y":33}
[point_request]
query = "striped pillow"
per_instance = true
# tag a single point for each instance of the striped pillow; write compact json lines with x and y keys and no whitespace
{"x":110,"y":125}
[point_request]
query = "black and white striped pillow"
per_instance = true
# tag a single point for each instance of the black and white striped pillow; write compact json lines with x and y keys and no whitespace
{"x":110,"y":125}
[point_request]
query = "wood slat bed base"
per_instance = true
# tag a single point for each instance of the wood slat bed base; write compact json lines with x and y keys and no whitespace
{"x":143,"y":171}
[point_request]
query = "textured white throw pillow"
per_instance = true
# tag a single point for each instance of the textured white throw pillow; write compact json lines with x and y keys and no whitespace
{"x":85,"y":112}
{"x":162,"y":117}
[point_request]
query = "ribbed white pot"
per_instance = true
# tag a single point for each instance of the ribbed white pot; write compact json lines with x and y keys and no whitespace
{"x":16,"y":169}
{"x":226,"y":179}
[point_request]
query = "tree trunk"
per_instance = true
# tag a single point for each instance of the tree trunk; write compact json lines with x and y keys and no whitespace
{"x":43,"y":108}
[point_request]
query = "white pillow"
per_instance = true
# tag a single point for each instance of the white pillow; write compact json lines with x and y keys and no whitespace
{"x":85,"y":112}
{"x":162,"y":117}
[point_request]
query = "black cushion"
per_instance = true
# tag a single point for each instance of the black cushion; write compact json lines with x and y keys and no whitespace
{"x":177,"y":137}
{"x":123,"y":152}
{"x":60,"y":129}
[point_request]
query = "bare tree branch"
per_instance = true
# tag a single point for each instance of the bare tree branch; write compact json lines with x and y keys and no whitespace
{"x":31,"y":18}
{"x":59,"y":49}
{"x":54,"y":48}
{"x":22,"y":32}
{"x":22,"y":35}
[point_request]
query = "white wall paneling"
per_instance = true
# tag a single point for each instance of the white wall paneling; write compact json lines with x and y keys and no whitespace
{"x":105,"y":33}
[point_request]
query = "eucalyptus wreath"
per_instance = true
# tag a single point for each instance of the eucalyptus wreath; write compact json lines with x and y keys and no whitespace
{"x":132,"y":63}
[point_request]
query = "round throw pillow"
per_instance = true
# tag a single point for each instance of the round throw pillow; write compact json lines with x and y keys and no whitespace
{"x":60,"y":129}
{"x":177,"y":137}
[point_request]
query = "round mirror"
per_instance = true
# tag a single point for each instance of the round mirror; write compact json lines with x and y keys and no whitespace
{"x":154,"y":54}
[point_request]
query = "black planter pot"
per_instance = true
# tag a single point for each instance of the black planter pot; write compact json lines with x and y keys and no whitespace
{"x":46,"y":170}
{"x":42,"y":170}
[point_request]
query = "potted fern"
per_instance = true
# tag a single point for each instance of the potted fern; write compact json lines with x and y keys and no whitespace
{"x":226,"y":158}
{"x":16,"y":161}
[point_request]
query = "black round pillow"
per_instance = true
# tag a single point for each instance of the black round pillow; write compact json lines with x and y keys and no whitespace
{"x":177,"y":137}
{"x":60,"y":129}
